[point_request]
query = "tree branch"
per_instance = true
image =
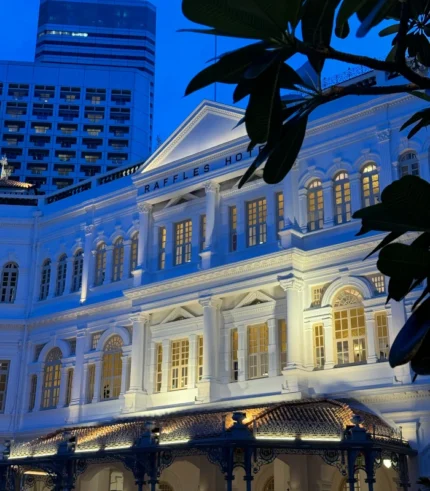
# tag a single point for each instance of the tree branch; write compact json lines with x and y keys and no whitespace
{"x":401,"y":35}
{"x":340,"y":91}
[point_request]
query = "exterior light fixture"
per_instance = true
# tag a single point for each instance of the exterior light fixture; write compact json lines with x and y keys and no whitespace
{"x":387,"y":463}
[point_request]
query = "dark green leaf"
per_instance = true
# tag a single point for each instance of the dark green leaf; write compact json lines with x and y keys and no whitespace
{"x":403,"y":261}
{"x":260,"y":159}
{"x":392,"y":54}
{"x":282,"y":159}
{"x":413,"y":41}
{"x":424,"y":51}
{"x":276,"y":12}
{"x":261,"y":64}
{"x":240,"y":122}
{"x":421,"y":95}
{"x":420,"y":363}
{"x":347,"y":9}
{"x":422,"y":124}
{"x":389,"y":30}
{"x":342,"y":31}
{"x":385,"y":241}
{"x":411,"y":336}
{"x":421,"y":297}
{"x":398,"y":288}
{"x":289,"y":78}
{"x":371,"y":14}
{"x":243,"y":89}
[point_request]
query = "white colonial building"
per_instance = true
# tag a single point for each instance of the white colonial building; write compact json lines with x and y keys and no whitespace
{"x":164,"y":291}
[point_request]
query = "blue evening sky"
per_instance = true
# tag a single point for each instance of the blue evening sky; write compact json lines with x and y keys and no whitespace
{"x":179,"y":56}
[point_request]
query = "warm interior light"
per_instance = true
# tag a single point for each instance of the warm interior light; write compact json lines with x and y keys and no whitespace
{"x":44,"y":454}
{"x":35,"y":473}
{"x":93,"y":449}
{"x":173,"y":442}
{"x":275,"y":437}
{"x":387,"y":463}
{"x":118,"y":447}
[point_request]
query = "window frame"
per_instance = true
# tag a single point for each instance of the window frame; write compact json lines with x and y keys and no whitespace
{"x":9,"y":282}
{"x":183,"y":247}
{"x":342,"y":198}
{"x":162,"y":242}
{"x":60,"y":281}
{"x":45,"y":279}
{"x":256,"y":222}
{"x":4,"y":381}
{"x":112,"y":367}
{"x":315,"y":205}
{"x":118,"y":259}
{"x":280,"y":223}
{"x":179,"y":362}
{"x":370,"y":188}
{"x":158,"y":367}
{"x":52,"y":379}
{"x":382,"y":335}
{"x":77,"y":271}
{"x":318,"y":345}
{"x":407,"y":161}
{"x":134,"y":252}
{"x":100,"y":264}
{"x":258,"y":360}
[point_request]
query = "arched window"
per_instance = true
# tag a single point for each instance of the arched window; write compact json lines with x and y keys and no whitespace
{"x":270,"y":484}
{"x":9,"y":283}
{"x":315,"y":206}
{"x":61,"y":275}
{"x":409,"y":164}
{"x":349,"y":327}
{"x":78,"y":267}
{"x":342,"y":198}
{"x":118,"y":259}
{"x":370,"y":185}
{"x":134,"y":251}
{"x":164,"y":486}
{"x":100,"y":266}
{"x":52,"y":379}
{"x":112,"y":368}
{"x":45,"y":279}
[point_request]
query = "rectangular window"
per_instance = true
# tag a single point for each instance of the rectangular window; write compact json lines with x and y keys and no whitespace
{"x":95,"y":339}
{"x":256,"y":220}
{"x":179,"y":374}
{"x":382,"y":338}
{"x":233,"y":228}
{"x":199,"y":358}
{"x":258,"y":351}
{"x":379,"y":282}
{"x":317,"y":294}
{"x":69,"y":386}
{"x":4,"y":375}
{"x":282,"y":326}
{"x":279,"y":211}
{"x":202,"y":232}
{"x":183,"y":246}
{"x":33,"y":388}
{"x":319,"y":356}
{"x":162,"y":238}
{"x":158,"y":367}
{"x":350,"y":335}
{"x":234,"y":355}
{"x":90,"y":384}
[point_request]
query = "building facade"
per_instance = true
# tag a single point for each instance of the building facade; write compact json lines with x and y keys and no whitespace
{"x":163,"y":288}
{"x":61,"y":123}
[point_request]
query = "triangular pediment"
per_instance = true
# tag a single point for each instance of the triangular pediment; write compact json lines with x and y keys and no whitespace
{"x":254,"y":298}
{"x":177,"y":314}
{"x":211,"y":124}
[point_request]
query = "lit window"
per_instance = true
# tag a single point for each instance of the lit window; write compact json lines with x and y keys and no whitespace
{"x":382,"y":338}
{"x":159,"y":367}
{"x":112,"y":369}
{"x":33,"y":388}
{"x":52,"y":379}
{"x":61,"y":275}
{"x":270,"y":484}
{"x":9,"y":283}
{"x":234,"y":355}
{"x":179,"y":374}
{"x":118,"y":259}
{"x":409,"y":164}
{"x":202,"y":232}
{"x":4,"y":375}
{"x":162,"y":238}
{"x":279,"y":211}
{"x":257,"y":226}
{"x":134,"y":252}
{"x":69,"y":386}
{"x":379,"y":282}
{"x":282,"y":326}
{"x":233,"y":228}
{"x":199,"y":358}
{"x":315,"y":206}
{"x":342,"y":198}
{"x":93,"y":131}
{"x":100,"y":264}
{"x":45,"y":279}
{"x":95,"y":339}
{"x":370,"y":185}
{"x":319,"y":356}
{"x":317,"y":294}
{"x":91,"y":382}
{"x":116,"y":481}
{"x":349,"y":327}
{"x":78,"y":267}
{"x":258,"y":351}
{"x":183,"y":246}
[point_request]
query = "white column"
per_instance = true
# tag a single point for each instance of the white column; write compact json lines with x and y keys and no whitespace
{"x":385,"y":173}
{"x":170,"y":244}
{"x":293,"y":287}
{"x":274,"y":347}
{"x":212,"y":200}
{"x":303,"y":215}
{"x":109,"y":260}
{"x":83,"y":392}
{"x":166,"y":365}
{"x":210,"y":337}
{"x":138,"y":352}
{"x":53,"y":279}
{"x":81,"y":348}
{"x":242,"y":354}
{"x":329,"y":361}
{"x":127,"y":260}
{"x":124,"y":373}
{"x":355,"y":183}
{"x":328,"y":203}
{"x":97,"y":380}
{"x":371,"y":344}
{"x":241,"y":225}
{"x":63,"y":386}
{"x":192,"y":361}
{"x":39,"y":389}
{"x":69,"y":272}
{"x":308,"y":345}
{"x":145,"y":210}
{"x":87,"y":262}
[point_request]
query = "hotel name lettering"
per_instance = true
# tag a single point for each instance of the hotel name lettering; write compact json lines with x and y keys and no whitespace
{"x":199,"y":171}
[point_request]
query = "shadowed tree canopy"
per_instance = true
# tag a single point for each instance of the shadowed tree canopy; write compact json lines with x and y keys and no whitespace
{"x":282,"y":98}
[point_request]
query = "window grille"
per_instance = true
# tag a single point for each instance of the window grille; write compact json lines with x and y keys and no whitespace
{"x":162,"y":239}
{"x":342,"y":198}
{"x":45,"y":279}
{"x":9,"y":283}
{"x":100,"y":264}
{"x":378,"y":281}
{"x":234,"y":355}
{"x":159,"y":367}
{"x":112,"y":368}
{"x":118,"y":259}
{"x":134,"y":251}
{"x":319,"y":352}
{"x":183,"y":245}
{"x":4,"y":376}
{"x":95,"y":339}
{"x":179,"y":373}
{"x":78,"y":267}
{"x":382,"y":336}
{"x":317,"y":293}
{"x":257,"y":225}
{"x":282,"y":326}
{"x":61,"y":276}
{"x":33,"y":388}
{"x":279,"y":211}
{"x":233,"y":228}
{"x":258,"y":351}
{"x":199,"y":358}
{"x":370,"y":185}
{"x":315,"y":206}
{"x":52,"y":379}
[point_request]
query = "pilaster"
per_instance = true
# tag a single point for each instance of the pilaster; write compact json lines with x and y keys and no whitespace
{"x":53,"y":279}
{"x":356,"y":198}
{"x":127,"y":260}
{"x":88,"y":230}
{"x":328,"y":203}
{"x":145,"y":214}
{"x":371,"y":343}
{"x":274,"y":369}
{"x":97,"y":381}
{"x":108,"y":269}
{"x":212,"y":201}
{"x":166,"y":365}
